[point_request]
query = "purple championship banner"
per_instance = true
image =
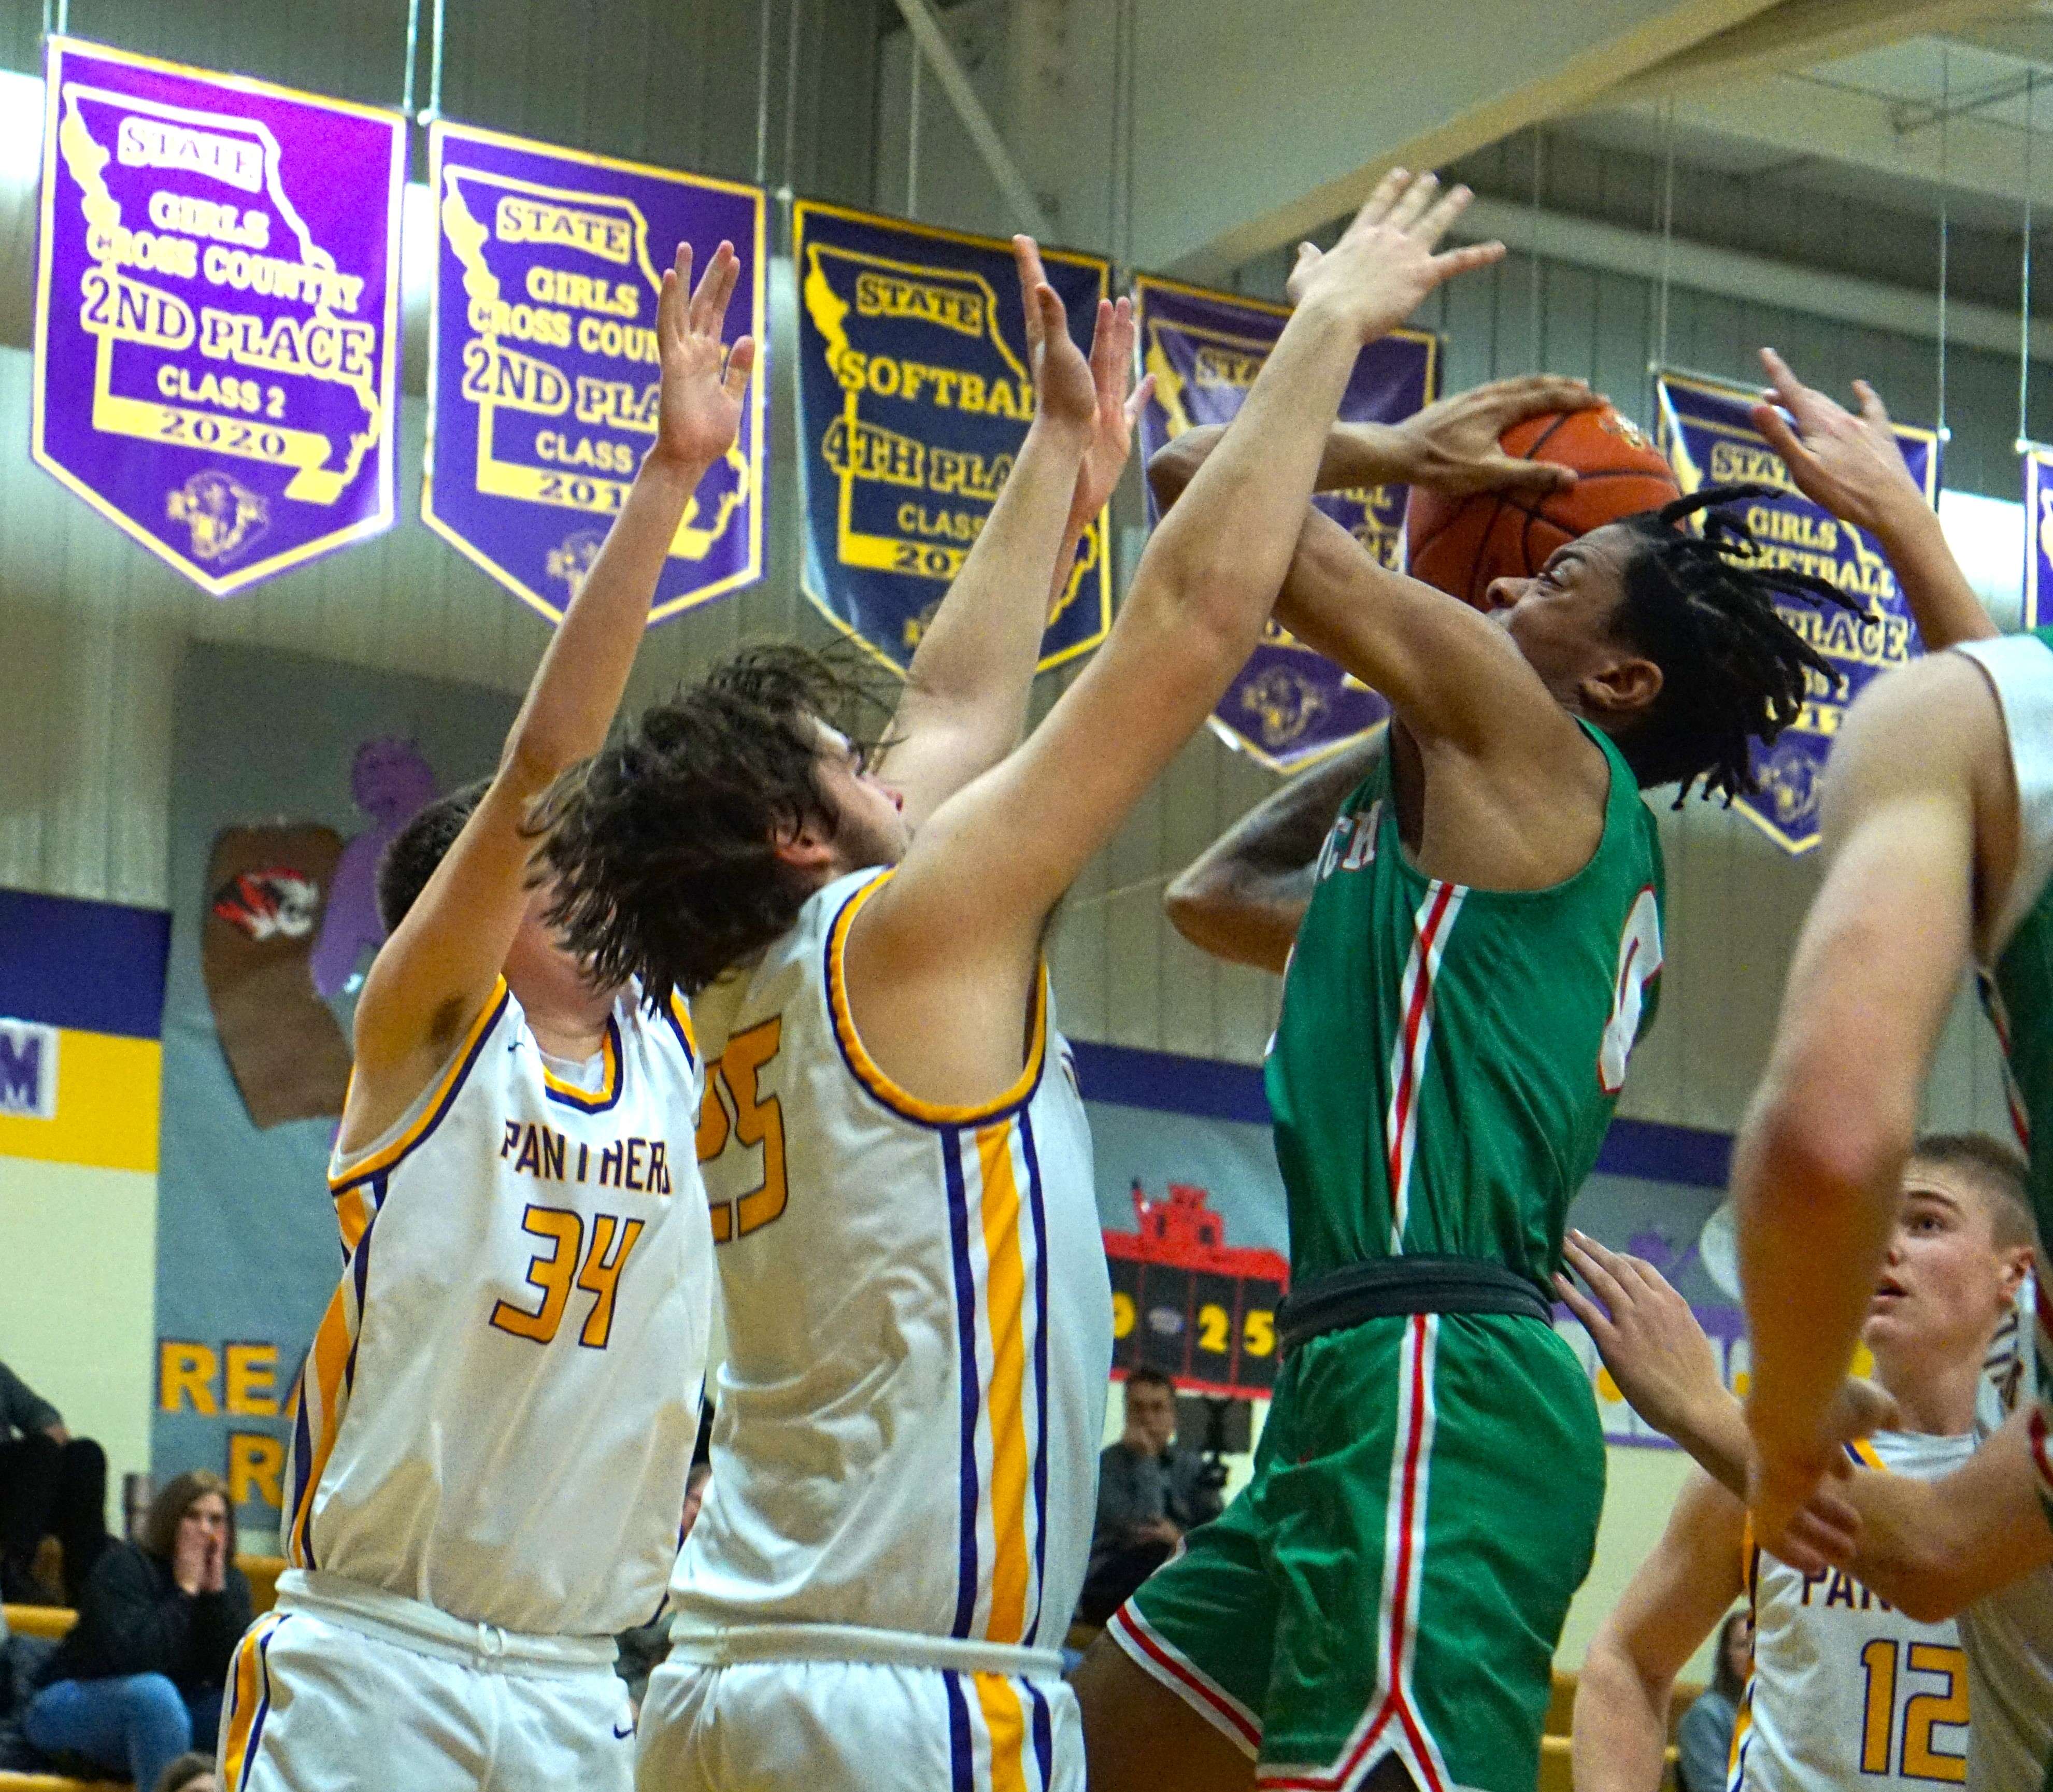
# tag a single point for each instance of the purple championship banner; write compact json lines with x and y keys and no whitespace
{"x":1710,"y":440}
{"x":217,"y":344}
{"x":914,"y":396}
{"x":543,"y":371}
{"x":2038,"y":526}
{"x":1289,"y":707}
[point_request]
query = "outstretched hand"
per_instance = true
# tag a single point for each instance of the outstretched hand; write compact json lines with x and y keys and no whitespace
{"x":1065,"y":389}
{"x":1793,"y":1484}
{"x":1455,"y":441}
{"x":1850,"y":464}
{"x":1384,"y":263}
{"x":704,"y":381}
{"x":1644,"y":1331}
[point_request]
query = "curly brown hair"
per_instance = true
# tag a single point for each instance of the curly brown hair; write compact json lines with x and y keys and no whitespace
{"x":663,"y":843}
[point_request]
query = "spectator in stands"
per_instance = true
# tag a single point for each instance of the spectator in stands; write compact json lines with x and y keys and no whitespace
{"x":140,"y":1676}
{"x":1150,"y":1492}
{"x":52,"y":1485}
{"x":190,"y":1773}
{"x":644,"y":1648}
{"x":1704,"y":1735}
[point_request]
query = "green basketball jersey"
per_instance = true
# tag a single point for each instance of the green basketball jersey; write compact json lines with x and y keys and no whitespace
{"x":1448,"y":1059}
{"x":2019,"y":997}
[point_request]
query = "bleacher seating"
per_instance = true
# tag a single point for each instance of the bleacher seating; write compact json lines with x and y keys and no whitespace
{"x":262,"y":1572}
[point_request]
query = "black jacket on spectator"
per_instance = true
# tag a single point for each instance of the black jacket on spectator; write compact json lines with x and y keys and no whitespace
{"x":134,"y":1619}
{"x":22,"y":1408}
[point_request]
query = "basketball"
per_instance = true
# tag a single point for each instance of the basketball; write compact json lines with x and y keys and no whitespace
{"x":1461,"y":543}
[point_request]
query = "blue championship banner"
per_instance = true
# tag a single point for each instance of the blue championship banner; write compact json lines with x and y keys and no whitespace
{"x":543,"y":371}
{"x":216,"y":336}
{"x":1289,"y":707}
{"x":1708,"y":436}
{"x":2039,"y":549}
{"x":914,"y":395}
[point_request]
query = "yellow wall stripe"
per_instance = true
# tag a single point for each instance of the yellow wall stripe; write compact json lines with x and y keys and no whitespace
{"x":107,"y":1105}
{"x":998,"y":1699}
{"x":1005,"y":1304}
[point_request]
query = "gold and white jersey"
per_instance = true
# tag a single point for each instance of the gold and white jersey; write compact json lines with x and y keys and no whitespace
{"x":919,"y":1331}
{"x":497,"y":1415}
{"x":1846,"y":1690}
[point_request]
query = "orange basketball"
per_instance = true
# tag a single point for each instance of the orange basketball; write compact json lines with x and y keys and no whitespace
{"x":1461,"y":543}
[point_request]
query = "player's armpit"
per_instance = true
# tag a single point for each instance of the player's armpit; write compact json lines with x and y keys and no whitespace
{"x":1672,"y":1604}
{"x":1243,"y":897}
{"x":1934,"y":1548}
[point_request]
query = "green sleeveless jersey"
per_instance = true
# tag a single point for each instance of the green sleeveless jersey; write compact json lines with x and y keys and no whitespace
{"x":2018,"y":996}
{"x":1448,"y":1058}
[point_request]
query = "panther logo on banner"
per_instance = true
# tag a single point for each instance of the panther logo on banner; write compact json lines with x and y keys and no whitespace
{"x":2039,"y":527}
{"x":217,"y":311}
{"x":914,"y":395}
{"x":544,"y":379}
{"x":1707,"y":434}
{"x":1289,"y":707}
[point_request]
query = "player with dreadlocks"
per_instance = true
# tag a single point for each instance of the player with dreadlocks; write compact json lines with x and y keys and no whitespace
{"x":1476,"y":944}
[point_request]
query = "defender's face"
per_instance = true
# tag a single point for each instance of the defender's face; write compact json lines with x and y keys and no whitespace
{"x":869,"y":815}
{"x":1943,"y":1286}
{"x":1560,"y":619}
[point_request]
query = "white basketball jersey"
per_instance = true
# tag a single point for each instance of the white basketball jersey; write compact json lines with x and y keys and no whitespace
{"x":497,"y":1415}
{"x":1846,"y":1691}
{"x":919,"y":1324}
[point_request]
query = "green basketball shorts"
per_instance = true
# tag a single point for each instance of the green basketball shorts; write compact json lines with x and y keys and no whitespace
{"x":1394,"y":1578}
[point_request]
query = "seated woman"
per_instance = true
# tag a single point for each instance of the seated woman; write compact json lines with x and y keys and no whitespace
{"x":139,"y":1679}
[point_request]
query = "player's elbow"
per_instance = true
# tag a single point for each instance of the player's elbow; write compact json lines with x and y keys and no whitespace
{"x":1617,"y":1694}
{"x":1814,"y":1142}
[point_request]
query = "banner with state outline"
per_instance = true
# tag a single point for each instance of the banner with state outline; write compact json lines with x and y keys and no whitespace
{"x":1289,"y":707}
{"x":2038,"y":530}
{"x":1708,"y":436}
{"x":217,"y":312}
{"x":914,"y":395}
{"x":543,"y":371}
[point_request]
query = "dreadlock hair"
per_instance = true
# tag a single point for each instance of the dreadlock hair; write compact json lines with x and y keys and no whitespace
{"x":1702,"y":607}
{"x":664,"y":844}
{"x":411,"y":855}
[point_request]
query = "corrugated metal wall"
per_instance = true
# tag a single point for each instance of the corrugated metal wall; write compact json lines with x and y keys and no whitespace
{"x":91,"y":630}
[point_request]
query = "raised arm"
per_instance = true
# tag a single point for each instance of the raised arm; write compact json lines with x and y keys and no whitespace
{"x":1818,"y":1165}
{"x":435,"y":973}
{"x":967,"y":690}
{"x":1243,"y":897}
{"x":965,"y":914}
{"x":1853,"y":466}
{"x":1670,"y":1605}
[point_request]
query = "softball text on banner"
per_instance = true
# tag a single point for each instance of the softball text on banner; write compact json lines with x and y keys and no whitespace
{"x":914,"y":395}
{"x":1289,"y":706}
{"x":2038,"y":526}
{"x":217,"y":343}
{"x":1707,"y":434}
{"x":544,"y":371}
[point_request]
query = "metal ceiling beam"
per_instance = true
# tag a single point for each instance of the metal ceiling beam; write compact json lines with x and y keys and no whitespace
{"x":1797,"y":34}
{"x":932,"y":42}
{"x":1796,"y":115}
{"x":1757,"y":279}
